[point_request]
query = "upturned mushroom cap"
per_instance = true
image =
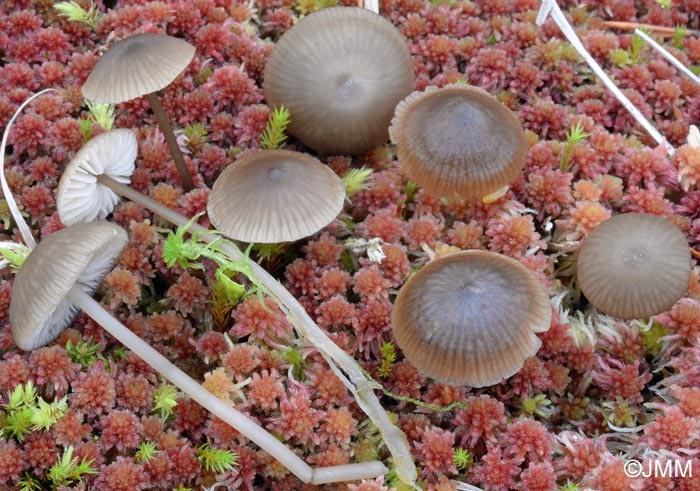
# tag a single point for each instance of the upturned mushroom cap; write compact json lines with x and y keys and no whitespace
{"x":469,"y":318}
{"x":136,"y":66}
{"x":458,"y":139}
{"x":634,"y":265}
{"x":275,"y":196}
{"x":80,"y":196}
{"x":340,"y":71}
{"x":79,"y":256}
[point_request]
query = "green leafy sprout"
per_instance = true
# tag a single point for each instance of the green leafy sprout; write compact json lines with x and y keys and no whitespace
{"x":102,"y":114}
{"x":13,"y":254}
{"x":388,"y":352}
{"x":74,"y":12}
{"x":29,"y":482}
{"x":67,"y":469}
{"x":164,"y":400}
{"x":355,"y":180}
{"x":216,"y":460}
{"x":83,"y":352}
{"x":573,"y":137}
{"x":146,"y":451}
{"x":187,"y":253}
{"x":46,"y":414}
{"x":273,"y":136}
{"x":463,"y":459}
{"x":678,"y":34}
{"x":538,"y":405}
{"x":637,"y":45}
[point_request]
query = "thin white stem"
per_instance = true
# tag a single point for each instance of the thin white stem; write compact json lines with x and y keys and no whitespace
{"x":11,"y":203}
{"x":551,"y":7}
{"x":349,"y":472}
{"x":184,"y":382}
{"x":342,"y":364}
{"x":664,"y":52}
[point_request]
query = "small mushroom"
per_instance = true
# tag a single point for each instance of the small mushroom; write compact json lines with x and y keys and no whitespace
{"x":140,"y":65}
{"x":634,"y":265}
{"x":469,"y":318}
{"x":351,"y":374}
{"x":81,"y":195}
{"x":275,"y":196}
{"x":340,"y":71}
{"x":60,"y":275}
{"x":458,"y":139}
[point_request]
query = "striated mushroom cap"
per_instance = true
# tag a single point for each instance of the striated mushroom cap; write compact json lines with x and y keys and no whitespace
{"x":634,"y":265}
{"x":469,"y":318}
{"x":80,"y":197}
{"x":340,"y":71}
{"x":458,"y":139}
{"x":136,"y":66}
{"x":275,"y":196}
{"x":78,"y":256}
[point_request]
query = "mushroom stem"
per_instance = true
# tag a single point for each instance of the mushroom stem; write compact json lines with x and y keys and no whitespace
{"x":167,"y":130}
{"x":242,"y":423}
{"x":351,"y":374}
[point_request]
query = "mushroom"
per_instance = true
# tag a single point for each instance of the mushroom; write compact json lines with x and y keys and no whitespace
{"x":140,"y":65}
{"x":634,"y":265}
{"x":83,"y":181}
{"x":60,"y":275}
{"x":469,"y":318}
{"x":340,"y":71}
{"x":275,"y":196}
{"x":458,"y":139}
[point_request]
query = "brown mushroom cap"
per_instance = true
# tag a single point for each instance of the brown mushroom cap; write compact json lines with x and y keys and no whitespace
{"x":136,"y":66}
{"x":80,"y":197}
{"x":634,"y":265}
{"x":469,"y":318}
{"x":340,"y":71}
{"x":79,"y":256}
{"x":275,"y":196}
{"x":458,"y":139}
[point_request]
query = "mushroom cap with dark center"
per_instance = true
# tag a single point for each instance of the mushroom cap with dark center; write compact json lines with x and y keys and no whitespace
{"x":458,"y":139}
{"x":469,"y":318}
{"x":79,"y":256}
{"x":136,"y":66}
{"x":340,"y":71}
{"x":275,"y":196}
{"x":634,"y":265}
{"x":80,"y":197}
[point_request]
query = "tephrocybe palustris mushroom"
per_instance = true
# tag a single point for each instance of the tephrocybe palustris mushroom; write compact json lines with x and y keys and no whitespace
{"x":340,"y":71}
{"x":458,"y":139}
{"x":60,"y":275}
{"x":275,"y":196}
{"x":79,"y":182}
{"x":140,"y":65}
{"x":469,"y":318}
{"x":634,"y":265}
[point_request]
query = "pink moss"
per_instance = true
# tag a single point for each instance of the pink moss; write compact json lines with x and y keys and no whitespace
{"x":121,"y":430}
{"x":496,"y":472}
{"x":434,"y":450}
{"x":260,"y":322}
{"x":122,"y":474}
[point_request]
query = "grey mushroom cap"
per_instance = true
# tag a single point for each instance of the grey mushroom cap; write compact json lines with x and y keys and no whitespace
{"x":469,"y":318}
{"x":275,"y":196}
{"x":458,"y":139}
{"x":78,"y":256}
{"x":340,"y":72}
{"x":136,"y":66}
{"x":634,"y":265}
{"x":80,"y":197}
